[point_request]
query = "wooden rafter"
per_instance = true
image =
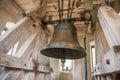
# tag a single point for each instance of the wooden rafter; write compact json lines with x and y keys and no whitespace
{"x":19,"y":63}
{"x":14,"y":34}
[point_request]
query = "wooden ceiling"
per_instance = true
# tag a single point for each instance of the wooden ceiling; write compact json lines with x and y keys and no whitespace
{"x":51,"y":9}
{"x":53,"y":14}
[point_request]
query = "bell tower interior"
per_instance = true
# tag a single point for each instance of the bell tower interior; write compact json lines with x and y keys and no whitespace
{"x":59,"y":39}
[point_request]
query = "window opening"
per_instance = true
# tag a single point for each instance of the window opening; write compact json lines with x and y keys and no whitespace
{"x":67,"y":64}
{"x":92,"y":55}
{"x":8,"y":26}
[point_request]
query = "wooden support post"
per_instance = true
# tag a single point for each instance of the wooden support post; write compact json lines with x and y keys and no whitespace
{"x":98,"y":78}
{"x":13,"y":35}
{"x":37,"y":76}
{"x":14,"y":62}
{"x":31,"y":76}
{"x":25,"y":75}
{"x":103,"y":77}
{"x":47,"y":77}
{"x":12,"y":72}
{"x":42,"y":76}
{"x":102,"y":36}
{"x":108,"y":38}
{"x":4,"y":74}
{"x":109,"y":77}
{"x":110,"y":22}
{"x":95,"y":78}
{"x":13,"y":8}
{"x":27,"y":48}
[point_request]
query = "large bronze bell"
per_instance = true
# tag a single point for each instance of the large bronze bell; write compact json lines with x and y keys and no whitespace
{"x":64,"y":43}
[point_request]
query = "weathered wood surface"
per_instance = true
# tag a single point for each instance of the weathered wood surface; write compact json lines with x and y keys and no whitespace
{"x":19,"y":63}
{"x":11,"y":73}
{"x":103,"y":38}
{"x":31,"y":76}
{"x":12,"y":7}
{"x":107,"y":41}
{"x":27,"y":48}
{"x":99,"y":54}
{"x":13,"y":35}
{"x":28,"y":60}
{"x":52,"y":10}
{"x":110,"y":22}
{"x":47,"y":77}
{"x":4,"y":74}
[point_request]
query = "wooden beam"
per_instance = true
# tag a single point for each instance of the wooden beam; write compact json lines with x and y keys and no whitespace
{"x":13,"y":35}
{"x":19,"y":63}
{"x":47,"y":77}
{"x":13,"y":8}
{"x":13,"y":74}
{"x":95,"y":2}
{"x":25,"y":75}
{"x":27,"y":48}
{"x":110,"y":22}
{"x":4,"y":74}
{"x":103,"y":38}
{"x":107,"y":42}
{"x":52,"y":10}
{"x":57,"y":21}
{"x":31,"y":75}
{"x":11,"y":61}
{"x":54,"y":13}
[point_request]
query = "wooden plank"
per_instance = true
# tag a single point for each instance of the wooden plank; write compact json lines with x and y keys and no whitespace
{"x":47,"y":77}
{"x":110,"y":22}
{"x":109,"y":77}
{"x":99,"y":47}
{"x":11,"y":61}
{"x":25,"y":75}
{"x":13,"y":35}
{"x":21,"y":75}
{"x":52,"y":10}
{"x":13,"y":8}
{"x":27,"y":48}
{"x":99,"y":53}
{"x":14,"y":62}
{"x":109,"y":29}
{"x":37,"y":76}
{"x":4,"y":74}
{"x":44,"y":41}
{"x":42,"y":76}
{"x":110,"y":59}
{"x":37,"y":57}
{"x":103,"y":38}
{"x":13,"y":74}
{"x":31,"y":76}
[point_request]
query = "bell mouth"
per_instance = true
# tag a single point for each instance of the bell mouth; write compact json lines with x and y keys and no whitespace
{"x":63,"y":51}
